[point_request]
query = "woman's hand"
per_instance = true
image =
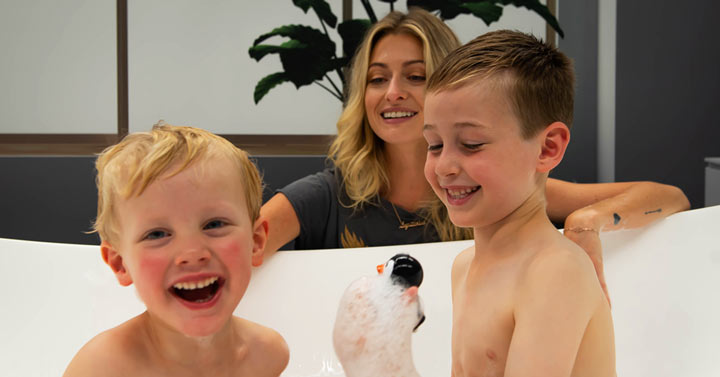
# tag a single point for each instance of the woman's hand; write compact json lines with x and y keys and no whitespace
{"x":589,"y":240}
{"x":587,"y":209}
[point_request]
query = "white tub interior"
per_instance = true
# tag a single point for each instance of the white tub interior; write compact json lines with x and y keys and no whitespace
{"x":664,"y":282}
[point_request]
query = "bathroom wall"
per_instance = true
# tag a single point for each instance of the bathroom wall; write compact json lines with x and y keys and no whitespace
{"x":54,"y":199}
{"x":668,"y":92}
{"x":579,"y":19}
{"x":57,"y":81}
{"x":187,"y":64}
{"x":58,"y":68}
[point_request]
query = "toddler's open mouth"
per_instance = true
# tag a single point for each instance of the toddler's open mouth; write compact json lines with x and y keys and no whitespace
{"x":198,"y":292}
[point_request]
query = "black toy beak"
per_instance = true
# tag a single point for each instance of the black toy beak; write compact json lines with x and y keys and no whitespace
{"x":422,"y":319}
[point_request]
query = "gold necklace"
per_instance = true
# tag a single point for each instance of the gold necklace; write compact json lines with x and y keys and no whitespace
{"x":404,"y":225}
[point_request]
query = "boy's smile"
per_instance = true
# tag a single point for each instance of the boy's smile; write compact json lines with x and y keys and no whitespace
{"x":478,"y":164}
{"x":198,"y":293}
{"x":459,"y":195}
{"x":187,"y":244}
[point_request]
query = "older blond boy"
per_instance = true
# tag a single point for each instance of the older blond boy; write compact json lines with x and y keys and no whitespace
{"x":178,"y":216}
{"x":526,"y":300}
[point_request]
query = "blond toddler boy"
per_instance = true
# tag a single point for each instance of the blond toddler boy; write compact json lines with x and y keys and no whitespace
{"x":178,"y":216}
{"x":526,"y":300}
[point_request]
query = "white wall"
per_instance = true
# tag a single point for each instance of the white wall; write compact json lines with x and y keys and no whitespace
{"x":188,"y":64}
{"x":57,"y":71}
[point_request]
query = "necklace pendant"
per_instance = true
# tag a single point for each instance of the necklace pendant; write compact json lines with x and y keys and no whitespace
{"x":403,"y":225}
{"x":413,"y":224}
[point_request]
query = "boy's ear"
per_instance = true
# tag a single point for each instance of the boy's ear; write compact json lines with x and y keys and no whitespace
{"x":260,"y":236}
{"x":553,"y":143}
{"x":115,"y":261}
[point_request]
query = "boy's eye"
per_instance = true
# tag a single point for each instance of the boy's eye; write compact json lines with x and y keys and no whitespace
{"x":434,"y":147}
{"x":214,"y":224}
{"x":473,"y":147}
{"x":156,"y":234}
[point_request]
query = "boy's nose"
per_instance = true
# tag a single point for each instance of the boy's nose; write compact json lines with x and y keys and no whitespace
{"x":446,"y":165}
{"x":193,"y":258}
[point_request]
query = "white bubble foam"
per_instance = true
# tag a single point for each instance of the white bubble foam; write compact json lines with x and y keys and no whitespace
{"x":374,"y":326}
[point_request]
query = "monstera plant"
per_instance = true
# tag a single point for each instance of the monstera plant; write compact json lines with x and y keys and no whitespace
{"x":309,"y":56}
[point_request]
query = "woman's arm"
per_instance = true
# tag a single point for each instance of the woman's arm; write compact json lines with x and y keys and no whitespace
{"x":283,"y":223}
{"x":588,"y":209}
{"x":612,"y":206}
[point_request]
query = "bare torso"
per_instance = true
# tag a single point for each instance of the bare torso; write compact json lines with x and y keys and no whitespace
{"x":486,"y":295}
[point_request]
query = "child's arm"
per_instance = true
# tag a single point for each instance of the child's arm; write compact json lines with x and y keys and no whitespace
{"x":555,"y":302}
{"x":588,"y":209}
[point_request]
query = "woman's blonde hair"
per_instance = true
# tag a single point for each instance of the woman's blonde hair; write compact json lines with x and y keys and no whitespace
{"x":356,"y":150}
{"x":127,"y":168}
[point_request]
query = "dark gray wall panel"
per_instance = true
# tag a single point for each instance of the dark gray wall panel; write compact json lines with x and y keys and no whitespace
{"x":668,"y":92}
{"x":49,"y":199}
{"x":278,"y":171}
{"x":579,"y":20}
{"x":54,"y":199}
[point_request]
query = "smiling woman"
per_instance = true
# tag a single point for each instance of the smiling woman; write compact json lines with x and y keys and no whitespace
{"x":396,"y":88}
{"x":376,"y":193}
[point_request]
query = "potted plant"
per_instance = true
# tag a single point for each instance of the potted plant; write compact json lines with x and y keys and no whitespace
{"x":309,"y":55}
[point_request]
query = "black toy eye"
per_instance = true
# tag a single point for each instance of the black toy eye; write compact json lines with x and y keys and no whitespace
{"x":407,"y":269}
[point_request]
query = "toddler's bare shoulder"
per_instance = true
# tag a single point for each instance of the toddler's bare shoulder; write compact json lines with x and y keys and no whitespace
{"x":269,"y":345}
{"x":106,"y":354}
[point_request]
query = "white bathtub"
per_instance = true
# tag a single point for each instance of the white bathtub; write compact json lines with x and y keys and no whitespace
{"x":664,"y":282}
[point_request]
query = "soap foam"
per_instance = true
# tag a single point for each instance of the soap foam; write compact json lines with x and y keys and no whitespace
{"x":373,"y":328}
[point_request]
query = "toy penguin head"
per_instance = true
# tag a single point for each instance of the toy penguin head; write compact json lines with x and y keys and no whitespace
{"x":406,"y":270}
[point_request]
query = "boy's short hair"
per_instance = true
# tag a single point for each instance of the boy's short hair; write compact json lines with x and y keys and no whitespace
{"x":538,"y":78}
{"x":128,"y":167}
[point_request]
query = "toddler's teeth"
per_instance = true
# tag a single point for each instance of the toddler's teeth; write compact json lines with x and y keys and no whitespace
{"x":196,"y":285}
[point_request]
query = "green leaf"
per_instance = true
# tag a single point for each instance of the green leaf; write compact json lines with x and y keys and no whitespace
{"x":266,"y":83}
{"x":257,"y":52}
{"x":305,"y":58}
{"x":339,"y":63}
{"x":302,"y":33}
{"x":352,"y":33}
{"x":486,"y":11}
{"x":537,"y":7}
{"x":302,"y":67}
{"x":321,"y":7}
{"x":448,"y":9}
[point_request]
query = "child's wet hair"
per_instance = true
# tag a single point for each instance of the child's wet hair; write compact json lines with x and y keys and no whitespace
{"x":127,"y":168}
{"x":537,"y":78}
